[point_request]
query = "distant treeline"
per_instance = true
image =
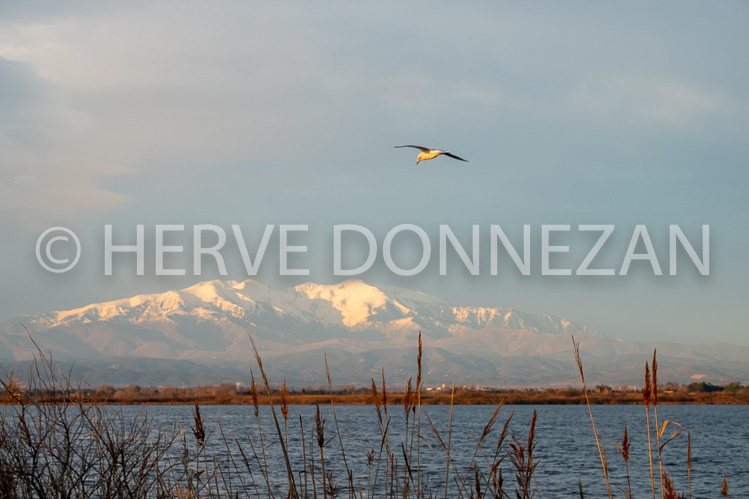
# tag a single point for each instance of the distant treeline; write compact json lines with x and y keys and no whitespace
{"x":692,"y":393}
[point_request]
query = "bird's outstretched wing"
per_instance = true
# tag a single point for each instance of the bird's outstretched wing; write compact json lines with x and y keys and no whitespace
{"x":424,"y":149}
{"x":446,"y":153}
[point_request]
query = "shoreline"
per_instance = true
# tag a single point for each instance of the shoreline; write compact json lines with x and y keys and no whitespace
{"x":520,"y":397}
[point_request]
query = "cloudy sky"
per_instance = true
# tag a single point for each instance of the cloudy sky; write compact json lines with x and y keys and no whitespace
{"x":257,"y":113}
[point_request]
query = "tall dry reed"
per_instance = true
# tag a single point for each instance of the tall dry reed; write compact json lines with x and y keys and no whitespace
{"x":604,"y":464}
{"x":110,"y":457}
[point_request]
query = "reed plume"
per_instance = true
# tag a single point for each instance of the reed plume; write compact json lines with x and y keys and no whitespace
{"x":284,"y":401}
{"x":668,"y":487}
{"x":576,"y":347}
{"x":198,"y":429}
{"x":522,"y":459}
{"x":290,"y":474}
{"x":658,"y":432}
{"x":624,"y":452}
{"x":409,"y":399}
{"x":724,"y":487}
{"x":647,"y":397}
{"x":384,"y":394}
{"x":285,"y":410}
{"x":320,"y":434}
{"x":253,"y":393}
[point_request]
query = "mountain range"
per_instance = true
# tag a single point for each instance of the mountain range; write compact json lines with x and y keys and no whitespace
{"x":200,"y":335}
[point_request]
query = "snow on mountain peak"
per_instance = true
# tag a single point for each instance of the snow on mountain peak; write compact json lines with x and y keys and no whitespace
{"x":206,"y":291}
{"x":355,"y":299}
{"x":351,"y":304}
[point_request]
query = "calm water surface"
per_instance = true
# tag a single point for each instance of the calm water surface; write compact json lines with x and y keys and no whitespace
{"x":565,"y":443}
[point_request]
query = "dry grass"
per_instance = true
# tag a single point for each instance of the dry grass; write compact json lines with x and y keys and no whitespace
{"x":666,"y":432}
{"x":58,"y":440}
{"x":601,"y":454}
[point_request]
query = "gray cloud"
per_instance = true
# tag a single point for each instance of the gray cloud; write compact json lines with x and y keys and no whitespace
{"x":46,"y":176}
{"x":195,"y":111}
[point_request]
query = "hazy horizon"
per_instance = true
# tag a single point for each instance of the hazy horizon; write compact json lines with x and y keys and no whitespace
{"x":154,"y":113}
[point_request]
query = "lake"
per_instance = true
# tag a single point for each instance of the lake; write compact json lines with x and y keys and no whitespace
{"x":565,"y":444}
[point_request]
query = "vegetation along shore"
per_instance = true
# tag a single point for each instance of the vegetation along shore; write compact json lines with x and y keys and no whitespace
{"x":59,"y":438}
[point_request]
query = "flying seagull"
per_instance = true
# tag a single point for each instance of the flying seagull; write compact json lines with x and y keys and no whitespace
{"x":427,"y":153}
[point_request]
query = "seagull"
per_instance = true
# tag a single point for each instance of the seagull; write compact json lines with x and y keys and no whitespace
{"x":427,"y":153}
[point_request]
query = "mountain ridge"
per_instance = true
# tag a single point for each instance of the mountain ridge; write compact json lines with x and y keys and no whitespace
{"x":367,"y":327}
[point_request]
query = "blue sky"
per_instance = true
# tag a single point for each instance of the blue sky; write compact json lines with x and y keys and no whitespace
{"x":258,"y":113}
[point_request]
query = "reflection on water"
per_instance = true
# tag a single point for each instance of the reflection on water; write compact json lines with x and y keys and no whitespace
{"x":565,"y":443}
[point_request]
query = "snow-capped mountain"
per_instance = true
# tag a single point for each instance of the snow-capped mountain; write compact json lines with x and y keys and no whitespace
{"x":362,"y":326}
{"x":352,"y":305}
{"x":212,"y":318}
